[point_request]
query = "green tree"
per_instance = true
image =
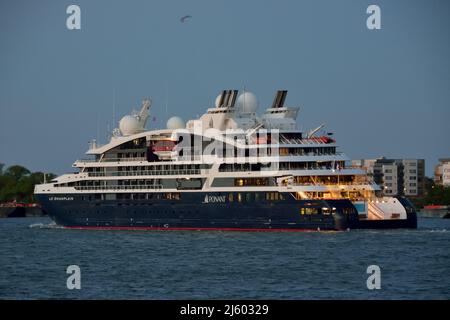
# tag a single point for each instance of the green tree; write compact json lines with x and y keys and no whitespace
{"x":17,"y":172}
{"x":438,"y":195}
{"x":7,"y":188}
{"x":17,"y":183}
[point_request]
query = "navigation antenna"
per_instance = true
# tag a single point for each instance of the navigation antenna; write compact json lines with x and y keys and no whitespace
{"x":243,"y":104}
{"x":167,"y":97}
{"x":98,"y":125}
{"x":114,"y":108}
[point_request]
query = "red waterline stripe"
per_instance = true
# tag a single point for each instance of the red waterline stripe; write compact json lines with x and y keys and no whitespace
{"x":196,"y":229}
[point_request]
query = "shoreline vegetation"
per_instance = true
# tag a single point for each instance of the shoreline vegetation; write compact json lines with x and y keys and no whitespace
{"x":434,"y":195}
{"x":17,"y":184}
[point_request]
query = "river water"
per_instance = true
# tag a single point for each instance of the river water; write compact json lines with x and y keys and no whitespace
{"x":35,"y":254}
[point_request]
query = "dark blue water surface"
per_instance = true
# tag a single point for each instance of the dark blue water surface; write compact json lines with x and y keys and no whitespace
{"x":34,"y":255}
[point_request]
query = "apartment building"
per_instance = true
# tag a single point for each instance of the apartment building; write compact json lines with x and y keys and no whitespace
{"x":396,"y":177}
{"x":442,"y":172}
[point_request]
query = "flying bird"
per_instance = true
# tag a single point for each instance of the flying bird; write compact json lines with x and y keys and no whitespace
{"x":184,"y":18}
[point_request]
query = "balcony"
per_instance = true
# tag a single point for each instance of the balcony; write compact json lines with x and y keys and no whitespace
{"x":111,"y":160}
{"x":306,"y":141}
{"x":144,"y":173}
{"x":119,"y":187}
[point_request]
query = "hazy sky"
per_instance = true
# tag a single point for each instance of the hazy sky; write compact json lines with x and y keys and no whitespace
{"x":383,"y":92}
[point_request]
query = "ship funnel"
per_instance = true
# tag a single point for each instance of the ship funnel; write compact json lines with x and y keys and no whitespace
{"x":227,"y":99}
{"x":280,"y":97}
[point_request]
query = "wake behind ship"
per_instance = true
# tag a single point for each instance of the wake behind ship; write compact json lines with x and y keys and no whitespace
{"x":228,"y":170}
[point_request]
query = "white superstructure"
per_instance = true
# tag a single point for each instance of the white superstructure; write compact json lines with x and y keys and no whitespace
{"x":229,"y":148}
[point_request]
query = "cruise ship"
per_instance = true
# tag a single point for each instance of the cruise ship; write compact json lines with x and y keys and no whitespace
{"x":230,"y":169}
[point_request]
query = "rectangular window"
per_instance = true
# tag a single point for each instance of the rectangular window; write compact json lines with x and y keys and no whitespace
{"x":311,"y":210}
{"x":272,"y":196}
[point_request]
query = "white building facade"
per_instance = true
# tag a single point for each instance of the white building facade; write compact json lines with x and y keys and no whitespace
{"x":396,"y":177}
{"x":442,"y":172}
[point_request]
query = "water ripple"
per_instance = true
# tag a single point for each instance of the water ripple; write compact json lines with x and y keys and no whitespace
{"x":223,"y":265}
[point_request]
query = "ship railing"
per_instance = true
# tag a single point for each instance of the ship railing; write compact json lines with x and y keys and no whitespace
{"x":86,"y":160}
{"x":312,"y":154}
{"x":196,"y":158}
{"x":124,"y":159}
{"x":304,"y":141}
{"x":188,"y":158}
{"x":359,"y":183}
{"x":311,"y":142}
{"x":324,"y":168}
{"x":112,"y":160}
{"x":144,"y":173}
{"x":120,"y":187}
{"x":279,"y":168}
{"x":296,"y":154}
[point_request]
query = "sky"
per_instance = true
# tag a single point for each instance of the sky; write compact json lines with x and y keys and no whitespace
{"x":381,"y":92}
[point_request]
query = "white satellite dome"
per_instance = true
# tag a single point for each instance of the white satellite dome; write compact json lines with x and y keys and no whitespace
{"x":175,"y":123}
{"x":247,"y":102}
{"x":129,"y":125}
{"x":217,"y":101}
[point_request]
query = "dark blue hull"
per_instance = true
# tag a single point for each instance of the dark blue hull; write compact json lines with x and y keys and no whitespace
{"x":211,"y":211}
{"x":247,"y":211}
{"x":409,"y":223}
